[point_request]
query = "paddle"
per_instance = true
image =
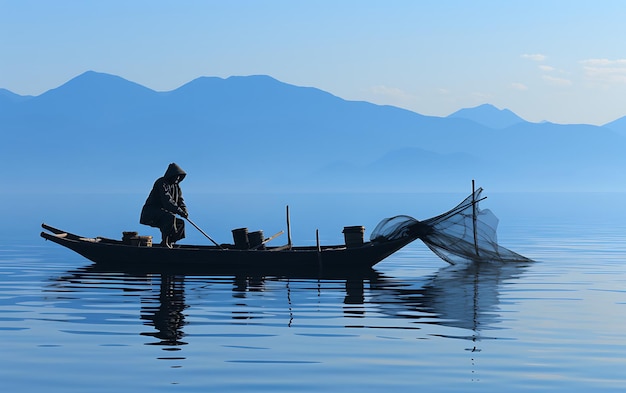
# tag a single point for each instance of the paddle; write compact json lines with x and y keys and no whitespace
{"x":202,"y":232}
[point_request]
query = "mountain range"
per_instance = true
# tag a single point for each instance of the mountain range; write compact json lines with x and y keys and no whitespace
{"x":101,"y":133}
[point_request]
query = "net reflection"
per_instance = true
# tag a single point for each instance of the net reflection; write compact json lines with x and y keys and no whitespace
{"x":465,"y":297}
{"x":459,"y":296}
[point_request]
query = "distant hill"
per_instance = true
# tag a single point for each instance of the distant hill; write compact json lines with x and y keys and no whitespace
{"x":102,"y":133}
{"x":618,"y":126}
{"x":489,"y":116}
{"x":10,"y":97}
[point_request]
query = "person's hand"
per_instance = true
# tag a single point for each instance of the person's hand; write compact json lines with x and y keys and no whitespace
{"x":183,"y":213}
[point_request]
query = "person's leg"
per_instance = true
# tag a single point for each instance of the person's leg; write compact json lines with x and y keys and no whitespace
{"x":167,"y":226}
{"x":178,"y":231}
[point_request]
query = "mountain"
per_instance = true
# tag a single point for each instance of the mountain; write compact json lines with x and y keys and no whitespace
{"x":101,"y":133}
{"x":618,"y":126}
{"x":7,"y":97}
{"x":489,"y":116}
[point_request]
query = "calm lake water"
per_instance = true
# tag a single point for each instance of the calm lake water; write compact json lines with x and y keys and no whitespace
{"x":553,"y":325}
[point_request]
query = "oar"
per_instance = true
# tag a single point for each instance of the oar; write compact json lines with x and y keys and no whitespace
{"x":202,"y":232}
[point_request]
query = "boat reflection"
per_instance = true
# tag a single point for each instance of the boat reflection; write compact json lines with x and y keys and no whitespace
{"x":465,"y":297}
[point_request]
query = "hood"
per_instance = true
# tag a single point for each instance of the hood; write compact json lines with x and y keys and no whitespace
{"x":174,"y":170}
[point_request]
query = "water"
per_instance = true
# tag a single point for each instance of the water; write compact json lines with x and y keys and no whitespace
{"x":553,"y":325}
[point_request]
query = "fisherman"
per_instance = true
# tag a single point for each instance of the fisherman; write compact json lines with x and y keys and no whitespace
{"x":163,"y":203}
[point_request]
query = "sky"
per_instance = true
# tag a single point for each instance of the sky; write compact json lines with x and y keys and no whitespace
{"x":555,"y":60}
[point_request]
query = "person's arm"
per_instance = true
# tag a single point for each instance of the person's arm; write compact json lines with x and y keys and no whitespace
{"x":167,"y":199}
{"x":181,"y":204}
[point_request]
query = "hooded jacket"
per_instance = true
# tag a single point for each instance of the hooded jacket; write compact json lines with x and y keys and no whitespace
{"x":166,"y":196}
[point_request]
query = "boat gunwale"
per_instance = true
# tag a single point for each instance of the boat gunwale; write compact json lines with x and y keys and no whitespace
{"x":59,"y":236}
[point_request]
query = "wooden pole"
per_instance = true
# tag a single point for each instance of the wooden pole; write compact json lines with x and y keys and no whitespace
{"x":204,"y":233}
{"x":474,"y":218}
{"x":317,"y":237}
{"x":319,"y":250}
{"x":288,"y":229}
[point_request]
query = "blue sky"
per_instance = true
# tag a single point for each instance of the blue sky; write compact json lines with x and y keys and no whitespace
{"x":562,"y":61}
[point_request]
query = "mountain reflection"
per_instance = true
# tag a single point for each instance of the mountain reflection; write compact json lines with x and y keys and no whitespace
{"x":465,"y":297}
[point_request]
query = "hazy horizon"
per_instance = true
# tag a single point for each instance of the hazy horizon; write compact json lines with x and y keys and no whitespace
{"x":258,"y":133}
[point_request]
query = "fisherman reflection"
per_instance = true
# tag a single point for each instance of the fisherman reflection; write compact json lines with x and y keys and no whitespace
{"x":167,"y":316}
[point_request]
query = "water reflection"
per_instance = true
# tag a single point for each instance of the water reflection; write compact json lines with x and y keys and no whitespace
{"x":465,"y":297}
{"x":165,"y":311}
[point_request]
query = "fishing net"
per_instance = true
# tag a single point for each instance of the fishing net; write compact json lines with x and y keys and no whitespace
{"x":464,"y":233}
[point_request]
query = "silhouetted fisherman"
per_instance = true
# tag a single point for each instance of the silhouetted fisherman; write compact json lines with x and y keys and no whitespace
{"x":163,"y":203}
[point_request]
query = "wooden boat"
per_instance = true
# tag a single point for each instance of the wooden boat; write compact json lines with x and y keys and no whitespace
{"x":463,"y":234}
{"x":227,"y":257}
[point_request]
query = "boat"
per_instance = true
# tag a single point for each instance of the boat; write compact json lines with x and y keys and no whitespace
{"x":463,"y":234}
{"x":227,"y":257}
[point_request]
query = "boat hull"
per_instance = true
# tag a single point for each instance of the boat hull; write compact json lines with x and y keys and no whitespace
{"x":198,"y":258}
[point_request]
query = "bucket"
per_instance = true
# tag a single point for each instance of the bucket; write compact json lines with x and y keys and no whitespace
{"x":240,"y":237}
{"x":256,"y":238}
{"x":126,"y":236}
{"x":353,"y":236}
{"x":141,"y":241}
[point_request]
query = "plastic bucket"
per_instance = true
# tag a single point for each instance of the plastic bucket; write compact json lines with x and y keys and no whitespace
{"x":127,"y":236}
{"x":256,"y":238}
{"x":353,"y":235}
{"x":240,"y":237}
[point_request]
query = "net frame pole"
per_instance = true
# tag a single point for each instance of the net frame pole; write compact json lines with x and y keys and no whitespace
{"x":474,"y":202}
